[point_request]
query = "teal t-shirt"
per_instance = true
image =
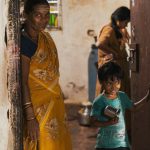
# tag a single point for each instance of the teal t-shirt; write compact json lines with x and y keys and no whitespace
{"x":112,"y":136}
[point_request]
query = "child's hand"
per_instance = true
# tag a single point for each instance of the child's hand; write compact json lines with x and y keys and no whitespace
{"x":114,"y":121}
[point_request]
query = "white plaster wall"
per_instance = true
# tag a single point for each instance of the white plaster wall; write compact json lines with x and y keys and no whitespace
{"x":3,"y":81}
{"x":74,"y":44}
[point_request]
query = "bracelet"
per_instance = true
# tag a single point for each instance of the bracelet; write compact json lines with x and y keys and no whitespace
{"x":28,"y":103}
{"x":27,"y":106}
{"x":29,"y":119}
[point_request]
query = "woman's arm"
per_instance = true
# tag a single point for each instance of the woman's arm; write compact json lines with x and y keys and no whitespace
{"x":106,"y":49}
{"x":98,"y":123}
{"x":32,"y":124}
{"x":104,"y":39}
{"x":25,"y":62}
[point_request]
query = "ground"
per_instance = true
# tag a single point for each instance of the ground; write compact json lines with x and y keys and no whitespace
{"x":83,"y":137}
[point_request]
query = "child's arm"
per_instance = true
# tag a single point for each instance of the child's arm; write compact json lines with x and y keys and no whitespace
{"x":141,"y":102}
{"x":98,"y":123}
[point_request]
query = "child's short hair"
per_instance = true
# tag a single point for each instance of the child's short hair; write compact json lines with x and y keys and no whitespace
{"x":109,"y":71}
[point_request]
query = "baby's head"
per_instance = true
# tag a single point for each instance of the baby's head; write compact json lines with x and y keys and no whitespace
{"x":110,"y":76}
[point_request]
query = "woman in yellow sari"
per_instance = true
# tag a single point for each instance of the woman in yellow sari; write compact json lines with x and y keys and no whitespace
{"x":45,"y":119}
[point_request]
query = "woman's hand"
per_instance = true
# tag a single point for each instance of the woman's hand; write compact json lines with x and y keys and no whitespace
{"x":33,"y":129}
{"x":32,"y":124}
{"x":108,"y":57}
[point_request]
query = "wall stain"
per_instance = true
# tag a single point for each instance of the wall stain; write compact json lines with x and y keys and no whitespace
{"x":75,"y":3}
{"x":75,"y":87}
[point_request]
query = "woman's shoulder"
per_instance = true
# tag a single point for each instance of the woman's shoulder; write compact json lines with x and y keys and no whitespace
{"x":27,"y":46}
{"x":45,"y":32}
{"x":107,"y":30}
{"x":49,"y":39}
{"x":47,"y":35}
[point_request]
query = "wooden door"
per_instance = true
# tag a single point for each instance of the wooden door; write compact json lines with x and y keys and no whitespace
{"x":140,"y":74}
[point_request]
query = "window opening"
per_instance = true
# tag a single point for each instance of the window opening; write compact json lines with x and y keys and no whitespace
{"x":55,"y":21}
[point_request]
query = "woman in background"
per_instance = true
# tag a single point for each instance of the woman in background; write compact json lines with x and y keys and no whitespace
{"x":111,"y":44}
{"x":45,"y":120}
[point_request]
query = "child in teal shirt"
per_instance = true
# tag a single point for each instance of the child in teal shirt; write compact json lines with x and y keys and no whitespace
{"x":112,"y":134}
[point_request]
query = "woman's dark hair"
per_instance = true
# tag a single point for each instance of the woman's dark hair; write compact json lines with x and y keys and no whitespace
{"x":109,"y":71}
{"x":30,"y":4}
{"x":120,"y":14}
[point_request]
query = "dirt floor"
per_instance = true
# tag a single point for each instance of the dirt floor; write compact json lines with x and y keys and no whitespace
{"x":83,"y":137}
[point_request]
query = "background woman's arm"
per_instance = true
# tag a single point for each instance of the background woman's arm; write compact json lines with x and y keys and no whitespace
{"x":103,"y":42}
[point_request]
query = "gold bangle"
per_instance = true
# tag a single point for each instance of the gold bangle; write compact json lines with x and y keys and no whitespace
{"x":29,"y":119}
{"x":27,"y":106}
{"x":28,"y":103}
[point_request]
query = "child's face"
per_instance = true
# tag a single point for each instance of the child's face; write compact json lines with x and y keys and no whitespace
{"x":111,"y":87}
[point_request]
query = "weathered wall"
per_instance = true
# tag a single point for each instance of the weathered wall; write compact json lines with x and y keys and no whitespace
{"x":74,"y":44}
{"x":3,"y":81}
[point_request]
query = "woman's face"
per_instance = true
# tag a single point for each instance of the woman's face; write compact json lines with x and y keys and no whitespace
{"x":38,"y":19}
{"x":111,"y":87}
{"x":122,"y":24}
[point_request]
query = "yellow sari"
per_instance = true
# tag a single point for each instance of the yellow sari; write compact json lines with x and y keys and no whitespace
{"x":47,"y":100}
